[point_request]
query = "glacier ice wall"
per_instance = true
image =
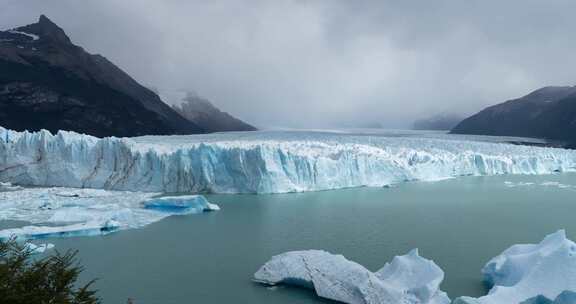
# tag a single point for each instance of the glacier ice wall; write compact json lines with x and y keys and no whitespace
{"x":259,"y":163}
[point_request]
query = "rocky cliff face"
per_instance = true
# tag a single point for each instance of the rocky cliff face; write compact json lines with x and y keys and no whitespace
{"x":46,"y":82}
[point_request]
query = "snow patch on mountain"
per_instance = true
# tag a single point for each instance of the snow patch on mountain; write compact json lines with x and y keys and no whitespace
{"x":32,"y":36}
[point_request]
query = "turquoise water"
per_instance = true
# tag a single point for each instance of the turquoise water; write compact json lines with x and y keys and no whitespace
{"x":210,"y":258}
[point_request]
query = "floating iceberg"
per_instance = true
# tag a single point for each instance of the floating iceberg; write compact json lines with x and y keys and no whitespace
{"x":181,"y":204}
{"x":531,"y":274}
{"x":551,"y":184}
{"x":43,"y":232}
{"x":566,"y":297}
{"x":67,"y":212}
{"x":407,"y":279}
{"x":38,"y":249}
{"x":9,"y":187}
{"x":261,"y":162}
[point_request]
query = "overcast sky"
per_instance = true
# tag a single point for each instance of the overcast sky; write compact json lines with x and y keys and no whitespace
{"x":313,"y":63}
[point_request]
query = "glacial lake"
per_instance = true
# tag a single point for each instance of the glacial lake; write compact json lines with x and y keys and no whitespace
{"x":210,"y":258}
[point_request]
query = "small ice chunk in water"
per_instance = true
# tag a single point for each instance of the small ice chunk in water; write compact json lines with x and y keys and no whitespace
{"x":38,"y":249}
{"x":9,"y":187}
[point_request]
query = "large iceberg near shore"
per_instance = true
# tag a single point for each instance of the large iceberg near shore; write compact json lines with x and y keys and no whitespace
{"x":407,"y":279}
{"x":531,"y":274}
{"x":68,"y":212}
{"x":258,"y":163}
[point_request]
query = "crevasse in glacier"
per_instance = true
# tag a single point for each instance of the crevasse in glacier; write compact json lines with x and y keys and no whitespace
{"x":258,"y":163}
{"x":407,"y":279}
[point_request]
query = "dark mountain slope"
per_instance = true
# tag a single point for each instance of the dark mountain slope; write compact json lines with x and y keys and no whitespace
{"x":443,"y":121}
{"x":46,"y":82}
{"x":203,"y":113}
{"x":549,"y":112}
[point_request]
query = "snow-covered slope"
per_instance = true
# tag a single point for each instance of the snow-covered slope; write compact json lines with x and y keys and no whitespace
{"x":262,"y":162}
{"x":407,"y":279}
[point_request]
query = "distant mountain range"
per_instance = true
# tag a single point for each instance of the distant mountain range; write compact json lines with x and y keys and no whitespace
{"x":443,"y":121}
{"x":47,"y":82}
{"x":549,"y":112}
{"x":202,"y":112}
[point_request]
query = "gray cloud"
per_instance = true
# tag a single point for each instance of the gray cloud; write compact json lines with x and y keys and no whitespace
{"x":313,"y":63}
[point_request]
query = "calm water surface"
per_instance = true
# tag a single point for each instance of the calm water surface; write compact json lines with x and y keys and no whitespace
{"x":210,"y":258}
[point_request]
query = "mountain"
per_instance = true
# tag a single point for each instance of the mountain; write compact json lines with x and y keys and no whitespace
{"x":47,"y":82}
{"x":203,"y":113}
{"x":549,"y":112}
{"x":443,"y":121}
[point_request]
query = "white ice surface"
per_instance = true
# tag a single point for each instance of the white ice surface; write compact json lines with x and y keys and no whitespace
{"x":258,"y":162}
{"x":39,"y":248}
{"x":407,"y":279}
{"x":551,"y":184}
{"x":66,"y":212}
{"x":531,"y":273}
{"x":9,"y":187}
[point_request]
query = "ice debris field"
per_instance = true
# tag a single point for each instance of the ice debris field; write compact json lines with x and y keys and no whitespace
{"x":68,"y":212}
{"x":543,"y":273}
{"x":260,"y":162}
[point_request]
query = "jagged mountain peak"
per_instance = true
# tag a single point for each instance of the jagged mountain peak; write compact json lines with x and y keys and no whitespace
{"x":203,"y":112}
{"x":46,"y":29}
{"x":46,"y":82}
{"x":45,"y":20}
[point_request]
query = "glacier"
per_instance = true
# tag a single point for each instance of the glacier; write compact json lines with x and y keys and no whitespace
{"x":68,"y":212}
{"x":531,"y":274}
{"x":407,"y":279}
{"x":261,"y":162}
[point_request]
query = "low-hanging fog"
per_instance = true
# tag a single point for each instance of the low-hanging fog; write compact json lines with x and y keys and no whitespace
{"x":326,"y":63}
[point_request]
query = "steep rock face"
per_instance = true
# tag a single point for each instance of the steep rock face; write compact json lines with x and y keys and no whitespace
{"x":203,"y":113}
{"x":46,"y":82}
{"x":549,"y":112}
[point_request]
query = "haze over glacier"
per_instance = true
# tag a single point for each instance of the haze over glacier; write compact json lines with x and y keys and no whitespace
{"x":260,"y":162}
